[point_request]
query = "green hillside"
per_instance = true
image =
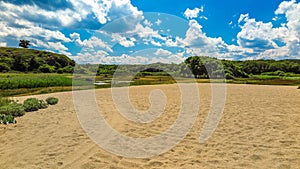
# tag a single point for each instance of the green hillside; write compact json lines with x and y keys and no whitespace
{"x":29,"y":60}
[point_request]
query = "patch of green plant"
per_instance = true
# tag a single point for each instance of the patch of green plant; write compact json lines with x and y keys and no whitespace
{"x":17,"y":81}
{"x":52,"y":100}
{"x":6,"y":119}
{"x":43,"y":104}
{"x":31,"y":104}
{"x":13,"y":109}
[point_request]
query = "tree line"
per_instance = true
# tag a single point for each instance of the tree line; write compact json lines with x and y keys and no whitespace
{"x":29,"y":60}
{"x":207,"y":67}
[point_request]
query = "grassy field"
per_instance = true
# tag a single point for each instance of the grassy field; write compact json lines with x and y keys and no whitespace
{"x":17,"y":84}
{"x":12,"y":84}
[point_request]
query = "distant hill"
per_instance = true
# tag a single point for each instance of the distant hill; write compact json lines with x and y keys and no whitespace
{"x":30,"y":60}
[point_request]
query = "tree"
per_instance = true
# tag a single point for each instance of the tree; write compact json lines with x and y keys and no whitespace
{"x":24,"y":43}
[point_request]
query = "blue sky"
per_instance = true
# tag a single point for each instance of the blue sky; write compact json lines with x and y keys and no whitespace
{"x":140,"y":31}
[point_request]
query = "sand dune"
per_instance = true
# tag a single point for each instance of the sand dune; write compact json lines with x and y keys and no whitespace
{"x":260,"y":128}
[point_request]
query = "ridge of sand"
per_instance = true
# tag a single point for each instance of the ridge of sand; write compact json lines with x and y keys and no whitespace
{"x":259,"y":129}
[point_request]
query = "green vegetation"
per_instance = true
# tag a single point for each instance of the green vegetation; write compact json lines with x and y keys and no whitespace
{"x":43,"y":104}
{"x":16,"y":81}
{"x":46,"y":72}
{"x":29,"y":60}
{"x":12,"y":84}
{"x":31,"y":104}
{"x":52,"y":100}
{"x":13,"y":108}
{"x":6,"y":119}
{"x":10,"y":109}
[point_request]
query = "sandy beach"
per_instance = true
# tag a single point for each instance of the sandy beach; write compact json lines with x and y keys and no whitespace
{"x":260,"y":128}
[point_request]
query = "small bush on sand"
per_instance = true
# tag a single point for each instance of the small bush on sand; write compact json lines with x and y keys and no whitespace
{"x":31,"y":104}
{"x":13,"y":109}
{"x":52,"y":100}
{"x":6,"y":119}
{"x":10,"y":109}
{"x":43,"y":104}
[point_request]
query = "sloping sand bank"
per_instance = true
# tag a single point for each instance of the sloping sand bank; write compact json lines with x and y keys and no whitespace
{"x":260,"y":128}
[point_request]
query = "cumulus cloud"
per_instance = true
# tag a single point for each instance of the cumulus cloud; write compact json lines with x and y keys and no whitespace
{"x":51,"y":46}
{"x":43,"y":20}
{"x":259,"y":35}
{"x":192,"y":13}
{"x":126,"y":42}
{"x":264,"y":38}
{"x":95,"y":43}
{"x":42,"y":24}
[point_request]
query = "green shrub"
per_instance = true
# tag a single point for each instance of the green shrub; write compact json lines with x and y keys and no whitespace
{"x":31,"y":104}
{"x":43,"y":104}
{"x":4,"y":67}
{"x":13,"y":109}
{"x":47,"y":68}
{"x":52,"y":100}
{"x":6,"y":119}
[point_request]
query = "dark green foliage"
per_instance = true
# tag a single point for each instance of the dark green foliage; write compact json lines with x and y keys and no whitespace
{"x":52,"y":100}
{"x":241,"y":69}
{"x":24,"y":43}
{"x":4,"y":67}
{"x":263,"y":66}
{"x":24,"y":60}
{"x":31,"y":104}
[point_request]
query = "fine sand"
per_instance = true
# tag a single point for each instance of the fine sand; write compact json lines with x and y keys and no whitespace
{"x":260,"y":128}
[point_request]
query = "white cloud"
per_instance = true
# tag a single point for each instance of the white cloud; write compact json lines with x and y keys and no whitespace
{"x":147,"y":23}
{"x":94,"y":43}
{"x":154,"y":43}
{"x":101,"y":57}
{"x":105,"y":10}
{"x":57,"y":46}
{"x":257,"y":35}
{"x":127,"y":42}
{"x":192,"y":13}
{"x":51,"y":46}
{"x":203,"y":17}
{"x":178,"y":42}
{"x":33,"y":31}
{"x":75,"y":36}
{"x":158,"y":22}
{"x":3,"y":44}
{"x":162,"y":52}
{"x":272,"y":42}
